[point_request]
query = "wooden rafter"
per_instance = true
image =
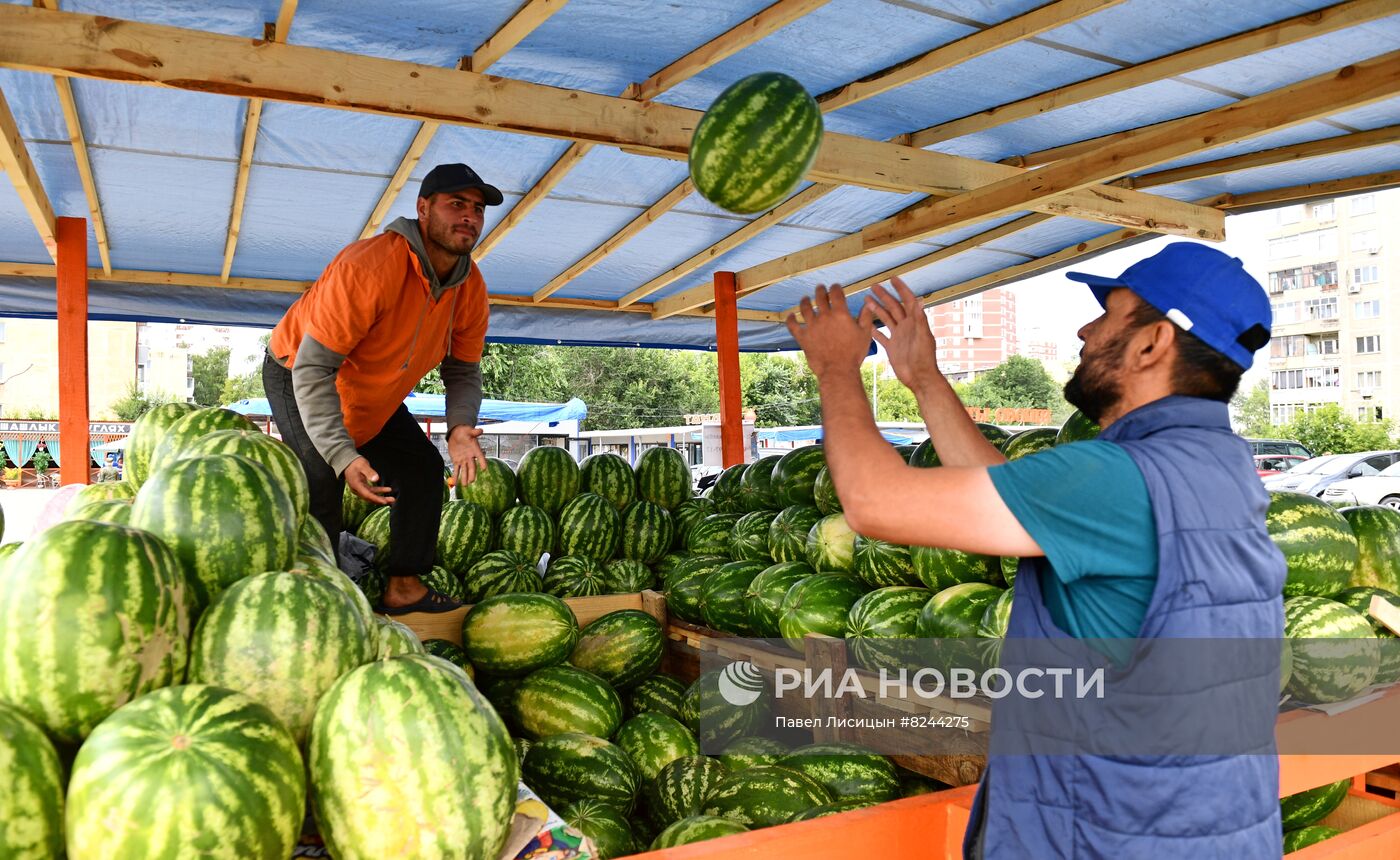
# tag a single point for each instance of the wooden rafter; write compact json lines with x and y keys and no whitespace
{"x":1349,"y":87}
{"x":76,"y":139}
{"x":532,"y":198}
{"x":529,"y":16}
{"x":16,"y":163}
{"x":1310,"y":190}
{"x":1286,"y":32}
{"x":277,"y":32}
{"x":725,"y":45}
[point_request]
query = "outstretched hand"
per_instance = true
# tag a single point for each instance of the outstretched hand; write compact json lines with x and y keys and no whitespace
{"x":909,"y":344}
{"x":830,"y":337}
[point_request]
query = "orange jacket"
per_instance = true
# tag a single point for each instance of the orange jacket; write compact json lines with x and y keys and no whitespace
{"x":374,"y":305}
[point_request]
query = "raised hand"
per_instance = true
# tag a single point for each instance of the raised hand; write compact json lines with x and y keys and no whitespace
{"x":830,"y":337}
{"x":909,"y":344}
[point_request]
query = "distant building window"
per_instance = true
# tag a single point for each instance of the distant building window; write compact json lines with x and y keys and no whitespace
{"x":1286,"y":246}
{"x":1365,"y":240}
{"x":1369,"y":343}
{"x":1290,"y":214}
{"x":1324,"y":211}
{"x":1366,"y":275}
{"x":1367,"y":310}
{"x":1321,"y":309}
{"x":1363,"y":204}
{"x":1285,"y":313}
{"x":1368,"y":379}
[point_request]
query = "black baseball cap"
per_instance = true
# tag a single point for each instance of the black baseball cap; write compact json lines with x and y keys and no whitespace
{"x":457,"y":177}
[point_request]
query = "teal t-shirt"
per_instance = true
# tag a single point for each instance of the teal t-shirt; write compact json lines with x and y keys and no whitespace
{"x":1087,"y":506}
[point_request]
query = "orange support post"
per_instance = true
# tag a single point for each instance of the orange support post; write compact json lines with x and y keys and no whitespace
{"x":731,"y":417}
{"x":73,"y":349}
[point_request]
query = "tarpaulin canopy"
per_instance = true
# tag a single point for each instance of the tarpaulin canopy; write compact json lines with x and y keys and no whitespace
{"x":808,"y":434}
{"x":222,"y":169}
{"x":435,"y":406}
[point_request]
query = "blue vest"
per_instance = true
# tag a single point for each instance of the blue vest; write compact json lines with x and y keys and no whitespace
{"x":1219,"y":576}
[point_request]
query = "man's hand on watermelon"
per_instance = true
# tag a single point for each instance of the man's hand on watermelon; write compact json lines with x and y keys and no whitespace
{"x":909,"y":344}
{"x":833,"y":340}
{"x":466,"y":453}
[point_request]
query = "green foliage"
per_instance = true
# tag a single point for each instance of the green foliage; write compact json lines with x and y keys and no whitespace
{"x":41,"y":460}
{"x":1327,"y":430}
{"x":893,"y":401}
{"x":136,"y":403}
{"x":781,"y":391}
{"x":1017,"y":383}
{"x":1253,"y":418}
{"x":639,"y":387}
{"x":243,"y":387}
{"x":210,"y":373}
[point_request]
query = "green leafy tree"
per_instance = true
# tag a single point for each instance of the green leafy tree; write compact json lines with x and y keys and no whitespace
{"x":135,"y":403}
{"x":1017,"y":383}
{"x":639,"y":387}
{"x":1252,"y":411}
{"x":893,"y":402}
{"x":781,"y":391}
{"x":1327,"y":430}
{"x":511,"y":371}
{"x":245,"y":386}
{"x":210,"y":373}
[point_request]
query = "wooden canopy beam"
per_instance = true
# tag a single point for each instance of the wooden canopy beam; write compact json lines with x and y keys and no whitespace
{"x":1296,"y":29}
{"x":16,"y":163}
{"x":725,"y":45}
{"x":82,"y":45}
{"x":513,"y":32}
{"x":1310,"y":190}
{"x":1349,"y":87}
{"x":277,"y":32}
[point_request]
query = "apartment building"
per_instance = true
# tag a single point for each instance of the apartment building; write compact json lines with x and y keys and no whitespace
{"x":975,"y":333}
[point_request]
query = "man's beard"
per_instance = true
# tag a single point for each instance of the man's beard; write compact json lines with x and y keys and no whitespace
{"x":1096,"y":385}
{"x":446,"y":238}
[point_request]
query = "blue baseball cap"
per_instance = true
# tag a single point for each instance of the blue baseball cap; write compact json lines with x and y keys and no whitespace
{"x":1203,"y":291}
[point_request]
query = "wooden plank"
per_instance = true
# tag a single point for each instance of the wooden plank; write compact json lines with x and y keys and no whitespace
{"x":1296,"y":29}
{"x":406,"y":165}
{"x":81,"y":45}
{"x":1328,"y":188}
{"x":1032,"y":23}
{"x":731,"y":406}
{"x":71,"y":303}
{"x":546,"y":183}
{"x":16,"y":163}
{"x":530,"y":15}
{"x":78,"y":141}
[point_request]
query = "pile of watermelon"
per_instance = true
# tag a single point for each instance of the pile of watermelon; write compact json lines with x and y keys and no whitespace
{"x":1302,"y":812}
{"x":604,"y":525}
{"x":186,"y":667}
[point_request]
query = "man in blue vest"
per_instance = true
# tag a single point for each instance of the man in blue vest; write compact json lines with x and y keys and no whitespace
{"x":1154,"y":529}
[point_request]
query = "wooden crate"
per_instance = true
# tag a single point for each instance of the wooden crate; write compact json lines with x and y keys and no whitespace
{"x":1370,"y":826}
{"x":448,"y":625}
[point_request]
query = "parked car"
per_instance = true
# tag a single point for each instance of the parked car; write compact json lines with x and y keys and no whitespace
{"x":1379,"y":489}
{"x":1273,"y":464}
{"x":1279,"y":446}
{"x":1316,"y":475}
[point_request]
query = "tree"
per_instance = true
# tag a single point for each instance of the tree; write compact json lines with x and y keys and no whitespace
{"x":639,"y":387}
{"x":513,"y":371}
{"x":893,"y":402}
{"x":782,"y":392}
{"x":136,"y":403}
{"x":1017,"y":383}
{"x":243,"y":387}
{"x":210,"y":373}
{"x":1252,"y":414}
{"x":1327,"y":430}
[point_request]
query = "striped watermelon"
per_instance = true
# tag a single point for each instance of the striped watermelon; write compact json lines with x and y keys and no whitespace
{"x":625,"y":576}
{"x":754,"y":145}
{"x":724,"y":596}
{"x":135,"y":605}
{"x":1009,"y":565}
{"x":727,"y":492}
{"x":1359,"y":598}
{"x":224,"y":516}
{"x":716,"y":721}
{"x":621,"y":647}
{"x":313,"y":541}
{"x":451,"y":652}
{"x":375,"y":530}
{"x":146,"y":434}
{"x":681,"y":786}
{"x":748,"y":541}
{"x":1297,"y":840}
{"x":500,"y":692}
{"x":1316,"y":541}
{"x":514,"y":634}
{"x":445,"y":582}
{"x":756,"y":484}
{"x":31,"y":819}
{"x":1335,"y":652}
{"x":1377,"y":531}
{"x":683,"y":588}
{"x":795,"y":476}
{"x":527,"y":530}
{"x":748,"y":752}
{"x":787,"y":536}
{"x":834,"y":808}
{"x":117,"y":511}
{"x":501,"y":572}
{"x":667,"y":563}
{"x":522,"y":746}
{"x":955,"y":612}
{"x":818,"y":604}
{"x":696,"y":828}
{"x":262,"y":449}
{"x":824,"y":493}
{"x":105,"y":491}
{"x":574,"y":766}
{"x":184,"y":772}
{"x":8,"y":549}
{"x":458,"y":775}
{"x":589,"y":526}
{"x":831,"y":545}
{"x":191,"y":427}
{"x":548,"y":478}
{"x":925,"y":456}
{"x":495,"y":487}
{"x":1077,"y":428}
{"x":766,"y":592}
{"x":663,"y":477}
{"x":334,"y":576}
{"x":685,"y":516}
{"x":606,"y":828}
{"x":353,"y":510}
{"x":558,"y":699}
{"x":881,"y":621}
{"x":994,"y":434}
{"x":655,"y":740}
{"x":849,"y":771}
{"x":574,"y":576}
{"x":1311,"y":806}
{"x":396,"y":639}
{"x":647,"y":531}
{"x":659,"y":693}
{"x":880,"y":564}
{"x":464,"y":536}
{"x":1028,"y":442}
{"x":609,"y":476}
{"x":995,"y":619}
{"x":906,"y":452}
{"x":281,"y":639}
{"x":764,"y":796}
{"x":939,"y":568}
{"x":710,"y":536}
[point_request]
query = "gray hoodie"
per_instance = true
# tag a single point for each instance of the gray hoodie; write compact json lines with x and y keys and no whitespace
{"x":313,"y":376}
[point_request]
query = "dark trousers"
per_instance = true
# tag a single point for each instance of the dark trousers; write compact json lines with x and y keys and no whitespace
{"x":402,"y":455}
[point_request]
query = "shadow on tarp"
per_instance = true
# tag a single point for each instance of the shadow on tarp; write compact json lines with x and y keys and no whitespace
{"x":1128,"y":698}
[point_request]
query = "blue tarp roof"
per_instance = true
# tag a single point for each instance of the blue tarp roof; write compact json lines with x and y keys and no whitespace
{"x":808,"y":434}
{"x":165,"y":160}
{"x":435,"y":406}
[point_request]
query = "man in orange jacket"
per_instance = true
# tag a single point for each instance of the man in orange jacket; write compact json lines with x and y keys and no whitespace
{"x":385,"y":312}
